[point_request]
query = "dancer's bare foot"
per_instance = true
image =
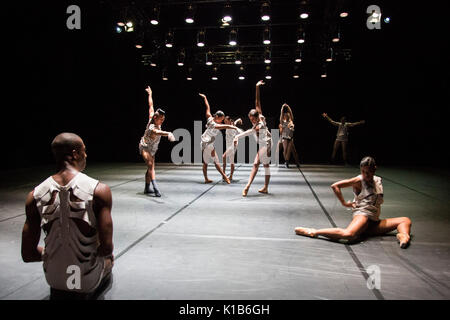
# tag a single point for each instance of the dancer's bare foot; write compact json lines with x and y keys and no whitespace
{"x":226,"y":180}
{"x":230,"y":177}
{"x":245,"y":191}
{"x":264,"y":190}
{"x":307,"y":232}
{"x":403,"y":239}
{"x":208,"y":181}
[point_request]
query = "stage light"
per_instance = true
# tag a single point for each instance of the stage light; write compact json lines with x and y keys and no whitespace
{"x":343,"y":14}
{"x":154,"y":16}
{"x":266,"y":36}
{"x":201,"y":38}
{"x":118,"y":29}
{"x":214,"y":74}
{"x":303,"y":12}
{"x":227,"y":13}
{"x":267,"y":73}
{"x":120,"y":24}
{"x":298,"y":55}
{"x":267,"y":57}
{"x":301,"y":35}
{"x":324,"y":72}
{"x":238,"y":58}
{"x":169,"y":39}
{"x":139,"y":46}
{"x":190,"y":14}
{"x":241,"y":73}
{"x":295,"y":76}
{"x":189,"y":74}
{"x":387,"y":20}
{"x":265,"y":11}
{"x":152,"y":64}
{"x":336,"y":37}
{"x":233,"y":38}
{"x":181,"y":57}
{"x":329,"y":56}
{"x":164,"y":75}
{"x":129,"y":24}
{"x":208,"y":61}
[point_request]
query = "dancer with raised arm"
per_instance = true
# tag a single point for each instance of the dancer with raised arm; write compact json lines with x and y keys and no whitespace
{"x":263,"y":138}
{"x":230,"y":148}
{"x":150,"y":141}
{"x":342,"y":135}
{"x":287,"y":134}
{"x":213,"y":125}
{"x":366,"y":207}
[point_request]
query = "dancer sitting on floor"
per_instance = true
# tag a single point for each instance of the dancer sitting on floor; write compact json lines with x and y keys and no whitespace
{"x":150,"y":141}
{"x":213,"y":125}
{"x":368,"y":192}
{"x":287,"y":135}
{"x":74,"y":211}
{"x":263,"y":138}
{"x":342,"y":135}
{"x":230,"y":148}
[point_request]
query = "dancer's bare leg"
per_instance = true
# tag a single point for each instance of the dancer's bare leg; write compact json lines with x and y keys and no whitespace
{"x":265,"y":156}
{"x":253,"y":173}
{"x":286,"y":154}
{"x":401,"y":224}
{"x":344,"y":151}
{"x":358,"y":225}
{"x":205,"y":172}
{"x":335,"y":149}
{"x":232,"y":170}
{"x":217,"y":165}
{"x":292,"y":150}
{"x":224,"y":161}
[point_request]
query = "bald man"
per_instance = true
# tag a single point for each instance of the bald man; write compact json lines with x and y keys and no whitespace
{"x":74,"y":211}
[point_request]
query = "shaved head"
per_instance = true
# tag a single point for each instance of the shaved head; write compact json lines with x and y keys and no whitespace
{"x":64,"y":144}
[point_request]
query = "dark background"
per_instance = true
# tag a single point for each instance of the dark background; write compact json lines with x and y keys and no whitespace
{"x":91,"y":82}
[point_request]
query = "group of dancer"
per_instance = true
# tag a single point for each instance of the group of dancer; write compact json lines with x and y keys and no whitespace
{"x":74,"y":210}
{"x":367,"y":188}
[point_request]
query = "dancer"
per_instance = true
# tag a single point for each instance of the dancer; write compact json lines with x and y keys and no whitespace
{"x":213,"y":125}
{"x":368,"y":192}
{"x":287,"y":134}
{"x":342,"y":135}
{"x":74,"y":211}
{"x":149,"y":143}
{"x":263,"y":138}
{"x":230,"y":148}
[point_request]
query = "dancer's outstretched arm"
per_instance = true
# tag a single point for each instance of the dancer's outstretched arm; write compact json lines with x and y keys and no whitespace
{"x":208,"y":109}
{"x":337,"y":186}
{"x":225,"y":126}
{"x":352,"y":124}
{"x":238,"y":121}
{"x":258,"y":98}
{"x":151,"y":111}
{"x":330,"y":120}
{"x":160,"y":132}
{"x":241,"y":135}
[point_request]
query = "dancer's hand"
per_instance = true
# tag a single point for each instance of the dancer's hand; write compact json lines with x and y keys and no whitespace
{"x":260,"y":83}
{"x":148,"y":89}
{"x":202,"y":95}
{"x":324,"y":115}
{"x":235,"y":141}
{"x":350,"y":204}
{"x":171,"y":137}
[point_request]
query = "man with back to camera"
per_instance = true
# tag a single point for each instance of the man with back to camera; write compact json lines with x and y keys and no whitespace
{"x":74,"y":211}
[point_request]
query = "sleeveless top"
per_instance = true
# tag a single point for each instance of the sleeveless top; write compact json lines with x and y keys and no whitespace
{"x":369,"y":200}
{"x":263,"y":136}
{"x":342,"y":133}
{"x":146,"y":140}
{"x":69,"y":256}
{"x":210,"y":133}
{"x":229,"y":136}
{"x":287,"y":132}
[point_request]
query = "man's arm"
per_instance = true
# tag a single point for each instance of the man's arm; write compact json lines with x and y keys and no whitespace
{"x":330,"y":120}
{"x":102,"y":209}
{"x":258,"y":98}
{"x":151,"y":111}
{"x":208,"y":109}
{"x":337,"y":186}
{"x":31,"y":232}
{"x":356,"y":123}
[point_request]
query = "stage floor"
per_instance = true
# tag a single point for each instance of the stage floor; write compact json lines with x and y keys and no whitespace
{"x":208,"y":242}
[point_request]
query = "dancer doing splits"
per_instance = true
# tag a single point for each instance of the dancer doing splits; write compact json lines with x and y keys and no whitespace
{"x":149,"y":143}
{"x":368,"y":192}
{"x":263,"y":138}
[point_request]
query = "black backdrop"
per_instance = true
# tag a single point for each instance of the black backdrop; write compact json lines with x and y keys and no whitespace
{"x":92,"y":83}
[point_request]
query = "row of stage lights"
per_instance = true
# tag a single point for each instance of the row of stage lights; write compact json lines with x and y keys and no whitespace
{"x":241,"y":74}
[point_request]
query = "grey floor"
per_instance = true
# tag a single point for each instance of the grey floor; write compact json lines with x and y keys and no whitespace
{"x":207,"y":242}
